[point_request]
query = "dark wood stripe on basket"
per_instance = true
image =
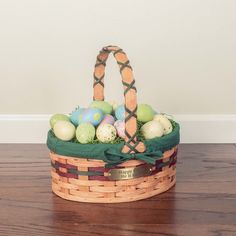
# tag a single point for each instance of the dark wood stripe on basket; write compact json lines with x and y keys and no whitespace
{"x":100,"y":173}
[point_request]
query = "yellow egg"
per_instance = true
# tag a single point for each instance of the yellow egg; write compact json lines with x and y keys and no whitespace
{"x":152,"y":129}
{"x":114,"y":104}
{"x":64,"y":130}
{"x":165,"y":123}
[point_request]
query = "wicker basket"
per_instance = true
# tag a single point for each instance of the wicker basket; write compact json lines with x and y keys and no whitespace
{"x":89,"y":180}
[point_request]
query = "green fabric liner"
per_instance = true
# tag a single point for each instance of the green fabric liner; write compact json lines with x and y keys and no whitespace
{"x":111,"y":153}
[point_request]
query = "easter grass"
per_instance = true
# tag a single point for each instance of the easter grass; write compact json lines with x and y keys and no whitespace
{"x":120,"y":140}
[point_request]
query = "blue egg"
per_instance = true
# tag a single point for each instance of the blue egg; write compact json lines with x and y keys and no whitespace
{"x":120,"y":112}
{"x":91,"y":115}
{"x":74,"y":117}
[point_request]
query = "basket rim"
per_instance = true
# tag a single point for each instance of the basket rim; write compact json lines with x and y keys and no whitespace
{"x":98,"y":151}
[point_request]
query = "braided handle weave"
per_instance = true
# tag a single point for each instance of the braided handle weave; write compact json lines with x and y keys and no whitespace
{"x":132,"y":145}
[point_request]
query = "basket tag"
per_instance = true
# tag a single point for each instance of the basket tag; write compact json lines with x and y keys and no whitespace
{"x":129,"y":173}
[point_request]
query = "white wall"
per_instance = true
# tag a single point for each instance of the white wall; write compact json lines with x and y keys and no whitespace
{"x":183,"y":53}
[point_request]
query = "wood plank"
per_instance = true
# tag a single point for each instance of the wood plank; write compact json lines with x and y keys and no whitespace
{"x":203,"y":202}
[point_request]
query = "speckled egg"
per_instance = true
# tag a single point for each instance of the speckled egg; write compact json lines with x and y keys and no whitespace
{"x":64,"y":130}
{"x":74,"y":117}
{"x":120,"y":128}
{"x":145,"y":113}
{"x":166,"y":124}
{"x":108,"y":119}
{"x":91,"y":115}
{"x":152,"y":129}
{"x":102,"y":105}
{"x":85,"y":133}
{"x":106,"y":133}
{"x":120,"y":112}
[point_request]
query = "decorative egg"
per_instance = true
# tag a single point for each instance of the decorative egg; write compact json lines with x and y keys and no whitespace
{"x":120,"y":128}
{"x":120,"y":112}
{"x":166,"y":124}
{"x":106,"y":133}
{"x":85,"y":133}
{"x":113,"y":104}
{"x":91,"y":115}
{"x":55,"y":118}
{"x":102,"y":105}
{"x":74,"y":117}
{"x":108,"y":119}
{"x":64,"y":130}
{"x":152,"y":129}
{"x":145,"y":113}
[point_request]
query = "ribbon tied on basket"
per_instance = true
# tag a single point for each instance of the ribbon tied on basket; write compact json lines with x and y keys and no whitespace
{"x":112,"y":157}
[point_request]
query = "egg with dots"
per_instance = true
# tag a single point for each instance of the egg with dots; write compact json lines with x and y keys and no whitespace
{"x":120,"y":128}
{"x":74,"y":117}
{"x":165,"y":122}
{"x":64,"y":130}
{"x":152,"y":129}
{"x":108,"y":119}
{"x":106,"y":133}
{"x":91,"y":115}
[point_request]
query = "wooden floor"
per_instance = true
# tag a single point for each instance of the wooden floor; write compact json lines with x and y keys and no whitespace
{"x":203,"y":202}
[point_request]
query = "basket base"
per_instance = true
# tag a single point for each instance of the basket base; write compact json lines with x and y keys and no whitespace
{"x":146,"y":187}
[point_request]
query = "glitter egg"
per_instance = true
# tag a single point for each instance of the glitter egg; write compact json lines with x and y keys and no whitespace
{"x":106,"y":133}
{"x":120,"y":112}
{"x":120,"y":128}
{"x":85,"y":133}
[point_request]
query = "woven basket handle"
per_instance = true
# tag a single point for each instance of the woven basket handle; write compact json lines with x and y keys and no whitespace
{"x":132,"y":145}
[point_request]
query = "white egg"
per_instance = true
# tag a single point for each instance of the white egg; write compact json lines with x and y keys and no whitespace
{"x":106,"y":133}
{"x":64,"y":130}
{"x":152,"y":129}
{"x":114,"y":104}
{"x":165,"y":123}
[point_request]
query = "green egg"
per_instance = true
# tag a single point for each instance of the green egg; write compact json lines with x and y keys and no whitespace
{"x":85,"y":133}
{"x":145,"y":113}
{"x":102,"y":105}
{"x":58,"y":117}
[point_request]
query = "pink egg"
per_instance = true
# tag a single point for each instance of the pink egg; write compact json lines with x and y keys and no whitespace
{"x":120,"y":127}
{"x":108,"y":119}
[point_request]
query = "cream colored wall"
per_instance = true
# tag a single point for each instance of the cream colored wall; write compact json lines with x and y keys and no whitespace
{"x":183,"y":53}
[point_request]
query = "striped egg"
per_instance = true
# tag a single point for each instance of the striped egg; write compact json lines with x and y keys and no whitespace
{"x":108,"y":119}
